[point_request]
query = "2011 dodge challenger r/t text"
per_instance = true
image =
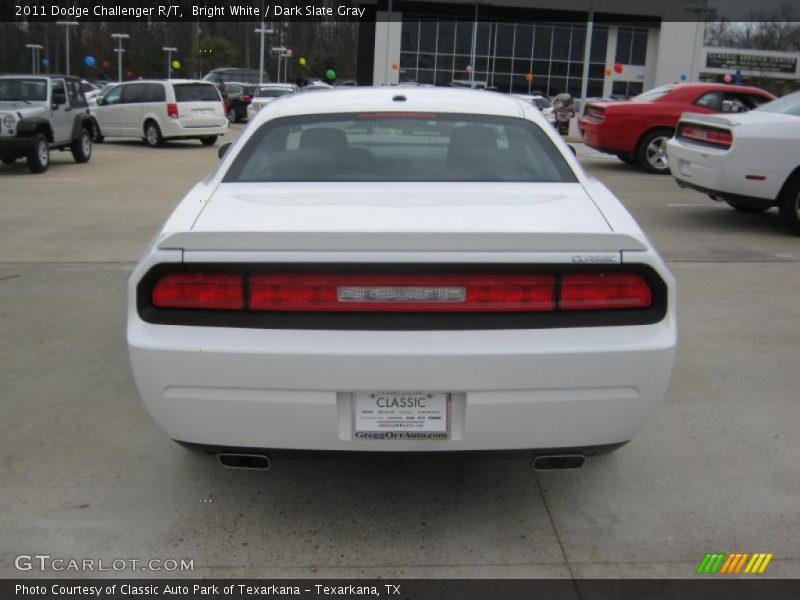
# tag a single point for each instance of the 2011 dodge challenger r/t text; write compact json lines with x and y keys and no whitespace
{"x":401,"y":269}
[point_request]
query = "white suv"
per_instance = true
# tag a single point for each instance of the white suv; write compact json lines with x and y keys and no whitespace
{"x":161,"y":110}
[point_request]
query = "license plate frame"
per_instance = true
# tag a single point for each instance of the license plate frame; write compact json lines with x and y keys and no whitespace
{"x":381,"y":415}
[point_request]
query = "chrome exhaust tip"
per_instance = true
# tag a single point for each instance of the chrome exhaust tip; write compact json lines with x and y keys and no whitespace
{"x":257,"y":462}
{"x":558,"y":462}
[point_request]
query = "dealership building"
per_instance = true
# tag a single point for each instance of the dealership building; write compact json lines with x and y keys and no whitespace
{"x":541,"y":46}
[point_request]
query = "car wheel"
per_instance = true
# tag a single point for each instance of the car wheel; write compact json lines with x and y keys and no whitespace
{"x":82,"y":147}
{"x":651,"y":154}
{"x":746,"y":208}
{"x":39,"y":155}
{"x":231,"y":116}
{"x":789,"y":204}
{"x":208,"y":140}
{"x":152,"y":135}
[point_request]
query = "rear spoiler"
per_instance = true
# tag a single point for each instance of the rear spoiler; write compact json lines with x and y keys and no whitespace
{"x":723,"y":120}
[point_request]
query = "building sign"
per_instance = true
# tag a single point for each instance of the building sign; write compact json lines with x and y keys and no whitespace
{"x":751,"y":62}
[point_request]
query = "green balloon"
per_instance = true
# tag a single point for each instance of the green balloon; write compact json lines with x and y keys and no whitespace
{"x":330,"y":74}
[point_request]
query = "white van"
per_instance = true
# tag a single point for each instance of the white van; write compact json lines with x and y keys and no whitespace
{"x":177,"y":109}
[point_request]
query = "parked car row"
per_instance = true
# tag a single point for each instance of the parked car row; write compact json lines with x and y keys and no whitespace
{"x":637,"y":130}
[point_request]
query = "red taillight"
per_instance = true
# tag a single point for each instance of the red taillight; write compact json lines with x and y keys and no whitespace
{"x":595,"y":291}
{"x":706,"y":135}
{"x":389,"y":293}
{"x":595,"y":113}
{"x":245,"y":99}
{"x":303,"y":292}
{"x":199,"y":290}
{"x":172,"y":110}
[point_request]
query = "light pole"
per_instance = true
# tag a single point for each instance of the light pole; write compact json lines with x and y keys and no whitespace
{"x":281,"y":52}
{"x":119,"y":37}
{"x":262,"y":31}
{"x":66,"y":25}
{"x":34,"y":57}
{"x":169,"y":50}
{"x":587,"y":51}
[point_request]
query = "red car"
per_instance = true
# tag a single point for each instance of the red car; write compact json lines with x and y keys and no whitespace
{"x":637,"y":130}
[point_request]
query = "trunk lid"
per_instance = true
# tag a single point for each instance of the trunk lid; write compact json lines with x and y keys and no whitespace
{"x":411,"y":217}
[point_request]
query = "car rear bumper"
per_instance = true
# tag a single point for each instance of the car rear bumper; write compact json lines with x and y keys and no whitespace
{"x":603,"y":138}
{"x":720,"y":172}
{"x":176,"y":129}
{"x":511,"y":389}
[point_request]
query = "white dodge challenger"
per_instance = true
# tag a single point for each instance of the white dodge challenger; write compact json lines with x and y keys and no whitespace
{"x":401,"y":269}
{"x":750,"y":160}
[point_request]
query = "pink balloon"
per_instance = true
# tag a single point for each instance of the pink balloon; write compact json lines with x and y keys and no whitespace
{"x":469,"y":68}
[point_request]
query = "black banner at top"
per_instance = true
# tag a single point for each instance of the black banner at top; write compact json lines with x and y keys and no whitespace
{"x":183,"y":10}
{"x":359,"y":10}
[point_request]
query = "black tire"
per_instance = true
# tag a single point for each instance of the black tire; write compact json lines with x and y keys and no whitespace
{"x":39,"y":155}
{"x":81,"y":148}
{"x":789,"y":203}
{"x":231,"y":115}
{"x":152,"y":135}
{"x":97,"y":137}
{"x":208,"y":140}
{"x":8,"y":160}
{"x":746,"y":208}
{"x":651,"y":152}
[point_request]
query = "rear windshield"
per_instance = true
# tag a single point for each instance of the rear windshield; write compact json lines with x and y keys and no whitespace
{"x":654,"y":94}
{"x":273,"y":92}
{"x":400,"y":147}
{"x":196,"y":92}
{"x":788,"y":105}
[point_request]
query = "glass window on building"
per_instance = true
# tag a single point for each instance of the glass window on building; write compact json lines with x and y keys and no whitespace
{"x":505,"y":52}
{"x":631,"y":46}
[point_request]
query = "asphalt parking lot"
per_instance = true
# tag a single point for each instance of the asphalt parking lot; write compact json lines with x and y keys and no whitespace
{"x":86,"y":474}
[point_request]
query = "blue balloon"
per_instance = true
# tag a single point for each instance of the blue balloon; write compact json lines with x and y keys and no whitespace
{"x":683,"y":76}
{"x":89,"y":60}
{"x":45,"y":62}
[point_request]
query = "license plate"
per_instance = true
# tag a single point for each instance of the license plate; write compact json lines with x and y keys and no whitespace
{"x":204,"y":113}
{"x":400,"y":416}
{"x":686,"y":168}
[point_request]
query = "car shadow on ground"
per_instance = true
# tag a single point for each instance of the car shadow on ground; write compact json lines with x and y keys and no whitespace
{"x":722,"y":219}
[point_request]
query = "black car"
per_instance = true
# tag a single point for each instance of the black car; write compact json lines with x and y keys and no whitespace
{"x":238,"y":96}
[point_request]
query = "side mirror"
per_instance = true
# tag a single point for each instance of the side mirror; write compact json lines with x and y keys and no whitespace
{"x":59,"y":97}
{"x":100,"y":100}
{"x":223,"y":149}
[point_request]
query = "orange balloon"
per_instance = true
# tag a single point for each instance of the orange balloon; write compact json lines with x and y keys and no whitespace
{"x":394,"y":66}
{"x":608,"y":72}
{"x":529,"y":77}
